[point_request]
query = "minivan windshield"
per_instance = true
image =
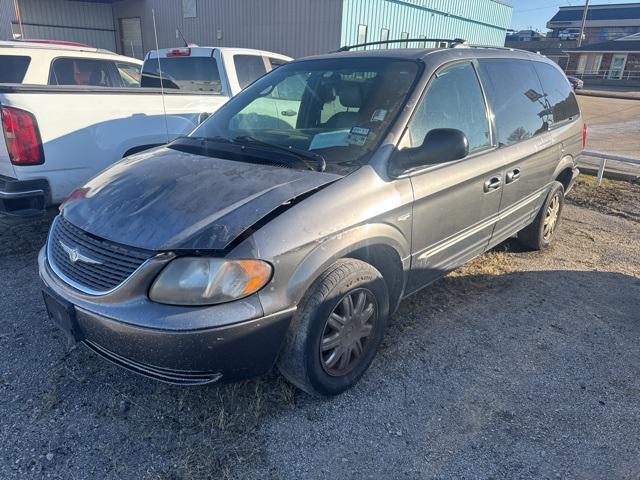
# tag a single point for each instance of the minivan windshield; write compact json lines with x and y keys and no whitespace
{"x":335,"y":109}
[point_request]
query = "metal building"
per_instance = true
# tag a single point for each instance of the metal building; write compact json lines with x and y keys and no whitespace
{"x":292,"y":27}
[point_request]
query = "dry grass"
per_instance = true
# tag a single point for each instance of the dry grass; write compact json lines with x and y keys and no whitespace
{"x":613,"y":197}
{"x":225,"y":428}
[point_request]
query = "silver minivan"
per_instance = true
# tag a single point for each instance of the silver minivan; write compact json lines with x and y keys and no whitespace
{"x":288,"y":226}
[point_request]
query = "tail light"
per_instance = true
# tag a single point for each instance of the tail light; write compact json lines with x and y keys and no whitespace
{"x":179,"y":52}
{"x":22,"y":137}
{"x":584,"y":135}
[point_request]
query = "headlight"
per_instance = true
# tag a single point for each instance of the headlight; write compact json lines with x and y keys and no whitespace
{"x":206,"y":281}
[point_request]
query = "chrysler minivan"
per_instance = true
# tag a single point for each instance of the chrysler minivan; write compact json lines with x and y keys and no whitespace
{"x":289,"y":225}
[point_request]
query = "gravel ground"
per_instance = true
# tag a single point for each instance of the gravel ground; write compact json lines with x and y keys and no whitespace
{"x":520,"y":365}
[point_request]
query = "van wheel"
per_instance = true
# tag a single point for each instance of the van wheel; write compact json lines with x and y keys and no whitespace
{"x":337,"y":329}
{"x":541,"y":232}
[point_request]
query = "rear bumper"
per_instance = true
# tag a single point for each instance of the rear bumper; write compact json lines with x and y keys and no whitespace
{"x":23,"y":198}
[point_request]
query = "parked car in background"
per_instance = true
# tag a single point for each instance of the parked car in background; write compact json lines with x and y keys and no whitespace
{"x":576,"y":83}
{"x":70,"y":111}
{"x":253,"y":241}
{"x":208,"y":69}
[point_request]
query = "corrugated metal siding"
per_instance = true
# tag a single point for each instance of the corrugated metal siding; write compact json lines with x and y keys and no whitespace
{"x":291,"y":27}
{"x":85,"y":22}
{"x":7,"y":15}
{"x":479,"y":21}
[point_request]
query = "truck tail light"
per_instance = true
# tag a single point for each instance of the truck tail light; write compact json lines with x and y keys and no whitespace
{"x":22,"y":137}
{"x":585,"y":131}
{"x":179,"y":52}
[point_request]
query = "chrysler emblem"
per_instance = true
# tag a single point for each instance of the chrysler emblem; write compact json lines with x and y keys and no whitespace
{"x":76,"y":256}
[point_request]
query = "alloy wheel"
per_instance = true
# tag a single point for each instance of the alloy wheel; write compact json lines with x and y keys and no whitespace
{"x":551,"y":218}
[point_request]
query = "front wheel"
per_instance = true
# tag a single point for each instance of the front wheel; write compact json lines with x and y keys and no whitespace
{"x":337,"y":330}
{"x":542,"y":231}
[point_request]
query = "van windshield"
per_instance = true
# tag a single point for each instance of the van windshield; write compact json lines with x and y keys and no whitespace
{"x":338,"y":109}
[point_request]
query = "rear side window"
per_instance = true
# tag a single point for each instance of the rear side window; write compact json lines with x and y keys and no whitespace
{"x":84,"y":71}
{"x":516,"y":97}
{"x":454,"y":100}
{"x":13,"y":68}
{"x":195,"y":74}
{"x":559,"y":96}
{"x":248,"y":68}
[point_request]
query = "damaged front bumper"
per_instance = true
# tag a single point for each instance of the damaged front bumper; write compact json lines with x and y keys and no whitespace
{"x":178,"y":345}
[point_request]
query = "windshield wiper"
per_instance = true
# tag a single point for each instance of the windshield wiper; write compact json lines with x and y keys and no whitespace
{"x":216,"y":139}
{"x":319,"y":160}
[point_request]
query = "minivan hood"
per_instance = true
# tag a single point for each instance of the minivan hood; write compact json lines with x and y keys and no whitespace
{"x":165,"y":199}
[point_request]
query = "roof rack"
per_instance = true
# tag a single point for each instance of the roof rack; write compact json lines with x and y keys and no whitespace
{"x":450,"y":43}
{"x":496,"y":47}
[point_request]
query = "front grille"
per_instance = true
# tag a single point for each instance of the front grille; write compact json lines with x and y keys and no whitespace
{"x":100,"y":265}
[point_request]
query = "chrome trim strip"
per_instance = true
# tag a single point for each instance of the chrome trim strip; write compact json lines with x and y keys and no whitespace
{"x":75,"y":284}
{"x":25,"y":193}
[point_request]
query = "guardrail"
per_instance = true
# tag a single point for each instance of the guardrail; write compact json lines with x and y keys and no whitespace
{"x":603,"y":156}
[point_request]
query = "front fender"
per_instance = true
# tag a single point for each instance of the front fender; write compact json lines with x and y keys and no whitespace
{"x":357,"y":212}
{"x":296,"y":270}
{"x":342,"y":245}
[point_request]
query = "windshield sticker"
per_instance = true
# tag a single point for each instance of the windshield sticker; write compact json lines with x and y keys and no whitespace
{"x":379,"y":115}
{"x":337,"y":138}
{"x":358,"y":136}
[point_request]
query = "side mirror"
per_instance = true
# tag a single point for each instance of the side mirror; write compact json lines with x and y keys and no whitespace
{"x":440,"y":145}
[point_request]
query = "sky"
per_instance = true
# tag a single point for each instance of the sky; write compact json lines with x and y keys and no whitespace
{"x":536,"y":13}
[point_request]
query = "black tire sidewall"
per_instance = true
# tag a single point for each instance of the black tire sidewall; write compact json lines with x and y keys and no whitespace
{"x":321,"y":381}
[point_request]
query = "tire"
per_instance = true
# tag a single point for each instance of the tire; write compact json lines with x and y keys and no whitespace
{"x":318,"y":369}
{"x":536,"y":236}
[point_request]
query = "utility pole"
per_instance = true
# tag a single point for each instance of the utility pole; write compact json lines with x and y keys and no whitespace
{"x":16,"y":6}
{"x":584,"y":21}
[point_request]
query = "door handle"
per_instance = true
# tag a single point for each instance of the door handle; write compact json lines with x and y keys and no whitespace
{"x":513,"y":175}
{"x":288,"y":113}
{"x":492,"y":184}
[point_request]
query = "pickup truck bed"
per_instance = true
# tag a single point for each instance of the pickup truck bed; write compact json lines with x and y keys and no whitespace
{"x":76,"y":148}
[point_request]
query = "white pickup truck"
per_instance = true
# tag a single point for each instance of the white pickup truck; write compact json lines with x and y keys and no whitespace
{"x":69,"y":111}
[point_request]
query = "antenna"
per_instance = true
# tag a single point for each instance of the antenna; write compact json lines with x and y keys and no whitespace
{"x":186,"y":44}
{"x":164,"y":107}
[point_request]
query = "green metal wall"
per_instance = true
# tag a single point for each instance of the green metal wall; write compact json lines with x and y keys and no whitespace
{"x":482,"y":22}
